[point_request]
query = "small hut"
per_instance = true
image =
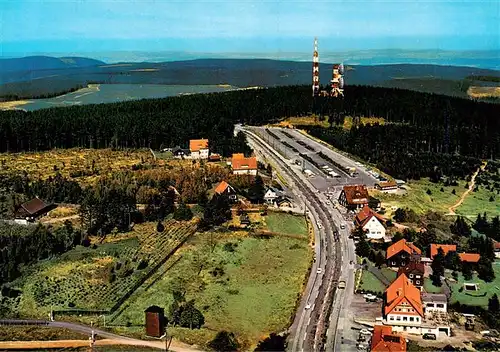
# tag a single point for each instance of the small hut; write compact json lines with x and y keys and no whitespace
{"x":155,"y":321}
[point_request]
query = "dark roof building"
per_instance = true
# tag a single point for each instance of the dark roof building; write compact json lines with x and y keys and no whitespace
{"x":33,"y":209}
{"x":354,"y":197}
{"x":415,"y":273}
{"x":155,"y":321}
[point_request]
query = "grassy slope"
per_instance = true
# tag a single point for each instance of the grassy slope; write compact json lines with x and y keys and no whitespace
{"x":256,"y":294}
{"x":286,"y":223}
{"x":371,"y":283}
{"x":479,"y":202}
{"x":418,"y":200}
{"x":40,"y":333}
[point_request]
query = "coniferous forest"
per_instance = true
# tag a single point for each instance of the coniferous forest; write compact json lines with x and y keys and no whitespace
{"x":423,"y":134}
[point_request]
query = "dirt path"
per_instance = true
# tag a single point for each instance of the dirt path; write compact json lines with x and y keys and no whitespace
{"x":471,"y":187}
{"x":55,"y":220}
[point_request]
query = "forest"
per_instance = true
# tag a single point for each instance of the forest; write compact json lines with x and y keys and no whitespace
{"x":420,"y":131}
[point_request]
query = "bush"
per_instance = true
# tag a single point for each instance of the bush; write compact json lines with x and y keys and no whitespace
{"x":224,"y":342}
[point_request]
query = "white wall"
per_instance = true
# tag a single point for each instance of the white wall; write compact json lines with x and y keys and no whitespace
{"x":204,"y":153}
{"x":374,"y":229}
{"x":404,"y":320}
{"x":245,"y":172}
{"x":433,"y":307}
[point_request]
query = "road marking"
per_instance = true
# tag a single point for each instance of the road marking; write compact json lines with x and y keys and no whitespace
{"x":305,"y":335}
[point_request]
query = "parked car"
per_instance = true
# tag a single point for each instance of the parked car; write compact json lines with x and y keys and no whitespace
{"x":429,"y":336}
{"x":319,"y":271}
{"x":308,"y":306}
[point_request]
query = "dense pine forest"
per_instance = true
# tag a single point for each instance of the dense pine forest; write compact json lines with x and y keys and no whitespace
{"x":421,"y":130}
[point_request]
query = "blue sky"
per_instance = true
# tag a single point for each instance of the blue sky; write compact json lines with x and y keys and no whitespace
{"x":246,"y":26}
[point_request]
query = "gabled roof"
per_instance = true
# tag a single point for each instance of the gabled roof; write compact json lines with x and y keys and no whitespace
{"x":366,"y":214}
{"x":357,"y":194}
{"x":402,"y":290}
{"x":34,"y":206}
{"x":195,"y":145}
{"x":387,"y":184}
{"x":445,"y":247}
{"x":384,"y":339}
{"x":412,"y":267}
{"x":238,"y":156}
{"x":402,"y":245}
{"x":469,"y":257}
{"x":221,"y":187}
{"x":244,"y":163}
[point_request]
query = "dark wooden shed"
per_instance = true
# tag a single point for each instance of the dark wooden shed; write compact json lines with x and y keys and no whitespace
{"x":155,"y":321}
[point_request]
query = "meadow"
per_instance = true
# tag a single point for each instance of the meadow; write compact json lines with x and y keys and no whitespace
{"x":246,"y":285}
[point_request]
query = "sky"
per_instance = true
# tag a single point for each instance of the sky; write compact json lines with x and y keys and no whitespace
{"x":237,"y":26}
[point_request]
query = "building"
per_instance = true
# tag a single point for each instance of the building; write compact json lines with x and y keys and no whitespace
{"x":414,"y":271}
{"x":214,"y":157}
{"x":434,"y":302}
{"x":283,"y":202}
{"x":464,"y":257}
{"x":354,"y":197}
{"x":226,"y":189}
{"x":179,"y":153}
{"x":244,"y":166}
{"x":401,"y":253}
{"x":496,"y":248}
{"x":271,"y":195}
{"x":384,"y":340}
{"x":372,"y":223}
{"x":386,"y":186}
{"x":32,"y":210}
{"x":199,"y":148}
{"x":155,"y":321}
{"x":403,"y":307}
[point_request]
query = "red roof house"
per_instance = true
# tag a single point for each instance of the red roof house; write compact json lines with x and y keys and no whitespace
{"x":399,"y":254}
{"x":384,"y":340}
{"x":354,"y":197}
{"x":469,"y":257}
{"x":445,"y":247}
{"x":242,"y":165}
{"x":401,"y":297}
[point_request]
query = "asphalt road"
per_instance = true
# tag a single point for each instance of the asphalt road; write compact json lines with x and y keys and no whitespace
{"x":327,"y":324}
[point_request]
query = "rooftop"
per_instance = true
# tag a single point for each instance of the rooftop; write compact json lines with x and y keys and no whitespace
{"x":357,"y":194}
{"x":243,"y":163}
{"x":445,"y":247}
{"x":434,"y":297}
{"x":384,"y":339}
{"x":195,"y":145}
{"x":402,"y":291}
{"x":402,"y":245}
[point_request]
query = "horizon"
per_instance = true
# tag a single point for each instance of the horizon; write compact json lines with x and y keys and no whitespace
{"x":245,"y":28}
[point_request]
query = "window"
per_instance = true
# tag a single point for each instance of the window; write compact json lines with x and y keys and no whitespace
{"x":391,"y":318}
{"x":440,"y":305}
{"x":398,"y":318}
{"x":418,"y":282}
{"x":418,"y":276}
{"x":411,"y":276}
{"x":412,"y":319}
{"x":393,"y":263}
{"x":417,"y":319}
{"x":405,"y":318}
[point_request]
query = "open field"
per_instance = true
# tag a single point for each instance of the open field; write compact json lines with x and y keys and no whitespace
{"x":480,"y":297}
{"x":364,"y":121}
{"x":417,"y":198}
{"x":370,"y":282}
{"x":483,"y":92}
{"x":97,"y":278}
{"x":479,"y":202}
{"x":252,"y":293}
{"x":286,"y":223}
{"x":13,"y":105}
{"x":40,"y":333}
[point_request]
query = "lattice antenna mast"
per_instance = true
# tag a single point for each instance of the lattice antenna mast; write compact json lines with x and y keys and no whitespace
{"x":337,"y":82}
{"x":315,"y":71}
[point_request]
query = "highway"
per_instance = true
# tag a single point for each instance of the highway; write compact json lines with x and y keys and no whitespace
{"x":321,"y":317}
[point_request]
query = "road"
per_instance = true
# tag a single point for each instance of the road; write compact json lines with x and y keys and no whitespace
{"x":321,"y":325}
{"x":84,"y":329}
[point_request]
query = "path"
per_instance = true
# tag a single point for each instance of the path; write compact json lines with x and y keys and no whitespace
{"x":471,"y":187}
{"x":54,"y":220}
{"x":84,"y":329}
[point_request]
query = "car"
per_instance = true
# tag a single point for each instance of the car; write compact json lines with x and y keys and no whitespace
{"x":308,"y":306}
{"x":328,"y":202}
{"x":365,"y":332}
{"x":429,"y":336}
{"x":319,"y":226}
{"x":342,"y":226}
{"x":319,"y":271}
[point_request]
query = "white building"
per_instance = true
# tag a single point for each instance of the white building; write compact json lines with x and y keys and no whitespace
{"x":373,"y":224}
{"x":271,"y":195}
{"x":244,"y":166}
{"x":434,"y":302}
{"x":199,"y":148}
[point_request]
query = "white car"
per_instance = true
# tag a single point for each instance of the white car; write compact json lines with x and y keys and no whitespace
{"x":365,"y":332}
{"x":308,"y":306}
{"x":342,"y":226}
{"x":319,"y":226}
{"x":319,"y":271}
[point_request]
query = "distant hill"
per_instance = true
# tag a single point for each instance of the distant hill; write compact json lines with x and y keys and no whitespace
{"x":36,"y":63}
{"x":449,"y":80}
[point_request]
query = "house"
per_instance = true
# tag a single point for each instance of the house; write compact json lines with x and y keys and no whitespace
{"x":403,"y":307}
{"x":372,"y":223}
{"x":464,"y":257}
{"x":434,"y":302}
{"x":386,"y":186}
{"x":445,"y":247}
{"x":31,"y":211}
{"x":214,"y":157}
{"x":225,"y":188}
{"x":414,"y":271}
{"x":244,"y":166}
{"x":469,"y":257}
{"x":401,"y":253}
{"x":384,"y":340}
{"x":199,"y":148}
{"x":271,"y":195}
{"x":354,"y":197}
{"x":179,"y":153}
{"x":283,"y":202}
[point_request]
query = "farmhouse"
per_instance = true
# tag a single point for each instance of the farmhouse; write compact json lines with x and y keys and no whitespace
{"x":199,"y":148}
{"x":400,"y":253}
{"x":384,"y":340}
{"x":225,"y":188}
{"x":244,"y":166}
{"x":180,"y":153}
{"x":414,"y":271}
{"x":271,"y":195}
{"x":32,"y":210}
{"x":283,"y":202}
{"x":403,"y":307}
{"x":354,"y":197}
{"x":386,"y":186}
{"x":372,"y":223}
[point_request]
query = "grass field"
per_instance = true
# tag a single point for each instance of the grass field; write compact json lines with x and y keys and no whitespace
{"x":430,"y":288}
{"x":286,"y":223}
{"x":370,"y":282}
{"x":97,"y":278}
{"x":483,"y":92}
{"x":40,"y":333}
{"x":480,"y":297}
{"x":479,"y":202}
{"x":417,"y":198}
{"x":255,"y":295}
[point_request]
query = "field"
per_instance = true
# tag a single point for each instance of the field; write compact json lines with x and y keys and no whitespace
{"x":479,"y":202}
{"x":286,"y":224}
{"x":417,"y":198}
{"x":480,"y":297}
{"x":97,"y":278}
{"x":483,"y":92}
{"x":112,"y":93}
{"x":40,"y":333}
{"x":369,"y":282}
{"x":241,"y":284}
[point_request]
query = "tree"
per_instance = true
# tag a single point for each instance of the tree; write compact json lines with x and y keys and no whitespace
{"x":191,"y":317}
{"x":273,"y":343}
{"x":379,"y":259}
{"x":467,"y":270}
{"x":494,"y":304}
{"x":225,"y":342}
{"x":183,"y":213}
{"x":460,"y":227}
{"x":362,"y":248}
{"x":216,"y":212}
{"x":485,"y":270}
{"x":257,"y":190}
{"x":437,"y":268}
{"x":451,"y":260}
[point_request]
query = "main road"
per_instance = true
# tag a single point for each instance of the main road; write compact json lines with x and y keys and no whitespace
{"x":322,"y":316}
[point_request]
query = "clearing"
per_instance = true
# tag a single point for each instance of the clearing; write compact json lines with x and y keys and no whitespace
{"x":286,"y":224}
{"x":483,"y":92}
{"x":249,"y":286}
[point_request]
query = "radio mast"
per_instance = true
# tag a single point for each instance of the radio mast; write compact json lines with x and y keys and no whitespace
{"x":315,"y":72}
